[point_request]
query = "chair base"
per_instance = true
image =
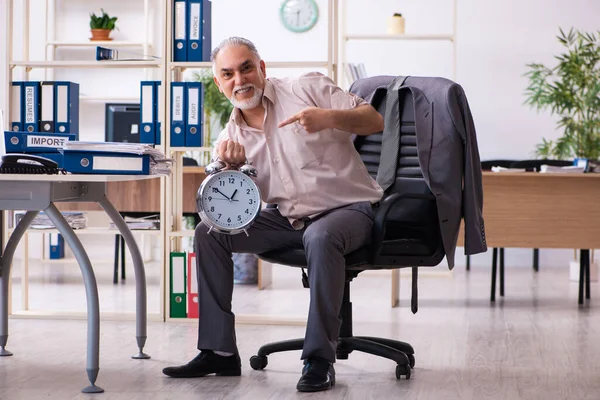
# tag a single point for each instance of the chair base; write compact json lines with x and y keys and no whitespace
{"x":400,"y":352}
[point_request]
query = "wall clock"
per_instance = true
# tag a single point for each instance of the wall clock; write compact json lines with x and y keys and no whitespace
{"x":299,"y":15}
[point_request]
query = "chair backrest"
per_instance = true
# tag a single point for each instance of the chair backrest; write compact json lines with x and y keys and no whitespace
{"x":414,"y":218}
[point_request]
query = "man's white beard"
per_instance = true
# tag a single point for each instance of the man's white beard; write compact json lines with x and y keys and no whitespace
{"x":250,"y":103}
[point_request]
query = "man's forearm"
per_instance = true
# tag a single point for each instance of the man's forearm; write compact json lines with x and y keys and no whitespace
{"x":363,"y":120}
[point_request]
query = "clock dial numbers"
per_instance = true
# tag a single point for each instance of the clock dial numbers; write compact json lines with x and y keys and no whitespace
{"x":231,"y":200}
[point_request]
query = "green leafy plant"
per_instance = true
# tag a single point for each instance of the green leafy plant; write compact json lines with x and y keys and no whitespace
{"x":103,"y":22}
{"x":571,"y":89}
{"x":216,"y":105}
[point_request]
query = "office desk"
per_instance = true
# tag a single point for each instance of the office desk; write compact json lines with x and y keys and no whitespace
{"x":143,"y":196}
{"x":535,"y":210}
{"x":36,"y":193}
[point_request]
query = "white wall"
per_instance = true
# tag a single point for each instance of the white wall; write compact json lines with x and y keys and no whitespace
{"x":495,"y":40}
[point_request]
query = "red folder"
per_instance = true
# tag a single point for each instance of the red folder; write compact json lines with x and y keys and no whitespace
{"x":192,"y":282}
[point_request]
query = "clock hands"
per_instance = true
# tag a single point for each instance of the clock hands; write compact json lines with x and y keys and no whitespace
{"x":223,"y":194}
{"x":228,"y":198}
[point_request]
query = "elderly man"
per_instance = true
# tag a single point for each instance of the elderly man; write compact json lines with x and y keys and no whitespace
{"x":297,"y":133}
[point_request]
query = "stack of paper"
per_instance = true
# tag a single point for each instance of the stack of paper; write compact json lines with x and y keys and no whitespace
{"x":76,"y":220}
{"x":503,"y":169}
{"x":149,"y":222}
{"x":159,"y":164}
{"x":571,"y":169}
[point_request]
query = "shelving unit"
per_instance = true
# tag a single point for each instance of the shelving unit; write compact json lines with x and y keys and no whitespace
{"x":346,"y":37}
{"x":25,"y":65}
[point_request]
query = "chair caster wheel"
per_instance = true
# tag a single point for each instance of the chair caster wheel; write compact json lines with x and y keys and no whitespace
{"x":402,"y":370}
{"x":411,"y":360}
{"x":258,"y":362}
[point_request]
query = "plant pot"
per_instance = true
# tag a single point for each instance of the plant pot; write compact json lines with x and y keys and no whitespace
{"x":100,"y":34}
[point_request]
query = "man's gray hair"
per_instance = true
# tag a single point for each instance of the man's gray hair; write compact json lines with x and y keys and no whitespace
{"x":232,"y":41}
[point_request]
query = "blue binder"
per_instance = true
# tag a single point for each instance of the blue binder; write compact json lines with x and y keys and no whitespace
{"x":156,"y":112}
{"x":179,"y":30}
{"x":194,"y":94}
{"x":148,"y":111}
{"x":57,"y":246}
{"x":66,"y":107}
{"x":178,"y":111}
{"x":206,"y":29}
{"x":105,"y":162}
{"x":31,"y":105}
{"x":17,"y":111}
{"x":47,"y":106}
{"x":35,"y":142}
{"x":199,"y":30}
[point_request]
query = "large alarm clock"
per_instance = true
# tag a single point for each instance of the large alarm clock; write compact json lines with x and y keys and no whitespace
{"x":228,"y":200}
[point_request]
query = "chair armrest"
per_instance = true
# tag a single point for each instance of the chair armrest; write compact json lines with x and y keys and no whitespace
{"x":384,"y":209}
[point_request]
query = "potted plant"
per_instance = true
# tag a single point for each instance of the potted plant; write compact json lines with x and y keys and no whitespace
{"x":571,"y":89}
{"x":101,"y":26}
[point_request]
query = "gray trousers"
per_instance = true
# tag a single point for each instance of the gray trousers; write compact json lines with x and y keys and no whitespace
{"x":326,"y":240}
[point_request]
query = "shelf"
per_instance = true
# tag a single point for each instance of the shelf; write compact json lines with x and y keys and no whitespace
{"x":184,"y":149}
{"x":93,"y":231}
{"x":185,"y":233}
{"x":270,"y":64}
{"x":194,"y":170}
{"x":85,"y":64}
{"x":442,"y":37}
{"x":111,"y":43}
{"x":110,"y":99}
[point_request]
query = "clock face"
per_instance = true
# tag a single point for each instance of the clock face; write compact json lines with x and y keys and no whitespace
{"x":299,"y":15}
{"x":230,"y":201}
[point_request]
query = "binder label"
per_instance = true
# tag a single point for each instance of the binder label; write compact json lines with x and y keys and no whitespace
{"x":194,"y":95}
{"x":15,"y":109}
{"x":195,"y":21}
{"x":147,"y":106}
{"x":177,"y":103}
{"x":29,"y":98}
{"x":178,"y":275}
{"x":45,"y":141}
{"x":117,"y":164}
{"x":180,"y":20}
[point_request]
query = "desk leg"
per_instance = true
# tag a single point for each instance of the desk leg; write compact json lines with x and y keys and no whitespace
{"x":91,"y":293}
{"x":140,"y":275}
{"x":6,"y":262}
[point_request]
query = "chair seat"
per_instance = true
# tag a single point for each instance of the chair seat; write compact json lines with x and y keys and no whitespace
{"x":360,"y":257}
{"x":297,"y":257}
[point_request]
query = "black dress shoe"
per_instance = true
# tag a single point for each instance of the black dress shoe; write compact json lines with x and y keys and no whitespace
{"x":318,"y":374}
{"x":206,"y":363}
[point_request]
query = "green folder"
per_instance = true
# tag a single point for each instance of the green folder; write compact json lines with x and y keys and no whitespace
{"x":178,"y":296}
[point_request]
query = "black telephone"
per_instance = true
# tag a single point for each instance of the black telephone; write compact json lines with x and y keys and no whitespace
{"x":17,"y":163}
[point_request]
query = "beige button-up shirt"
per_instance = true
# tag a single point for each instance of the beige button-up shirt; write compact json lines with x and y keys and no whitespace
{"x":304,"y":174}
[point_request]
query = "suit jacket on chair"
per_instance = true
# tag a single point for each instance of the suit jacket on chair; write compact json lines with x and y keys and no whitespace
{"x":447,"y":151}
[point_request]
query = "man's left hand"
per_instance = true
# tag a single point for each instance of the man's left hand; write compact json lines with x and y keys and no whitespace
{"x":312,"y":119}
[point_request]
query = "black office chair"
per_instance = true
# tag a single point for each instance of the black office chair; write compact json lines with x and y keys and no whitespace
{"x":529,"y":166}
{"x":406,"y":233}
